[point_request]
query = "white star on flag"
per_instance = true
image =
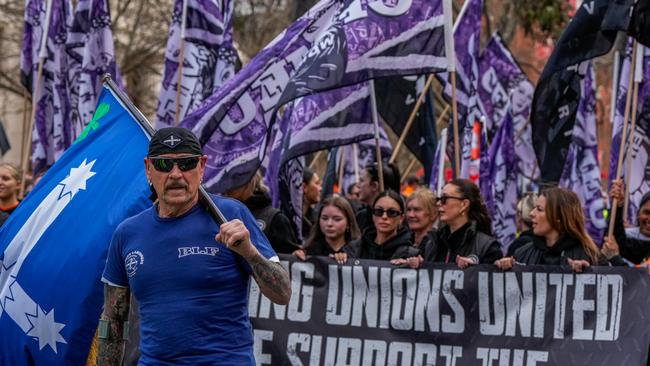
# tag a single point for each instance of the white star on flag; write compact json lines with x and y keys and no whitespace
{"x":45,"y":329}
{"x":76,"y":181}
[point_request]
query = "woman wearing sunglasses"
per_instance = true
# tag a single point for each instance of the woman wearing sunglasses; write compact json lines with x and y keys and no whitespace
{"x":387,"y":238}
{"x":561,"y":238}
{"x":336,"y":228}
{"x":466,"y":236}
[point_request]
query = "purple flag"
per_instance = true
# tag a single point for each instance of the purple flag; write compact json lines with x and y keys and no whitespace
{"x":581,"y":172}
{"x":504,"y":88}
{"x":637,"y":176}
{"x":233,"y":124}
{"x":52,"y":132}
{"x":372,"y":39}
{"x":467,"y":37}
{"x":90,"y":55}
{"x":209,"y":56}
{"x":499,"y":183}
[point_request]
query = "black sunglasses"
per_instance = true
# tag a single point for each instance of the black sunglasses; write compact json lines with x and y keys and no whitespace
{"x":379,"y":212}
{"x":443,"y":199}
{"x":167,"y":164}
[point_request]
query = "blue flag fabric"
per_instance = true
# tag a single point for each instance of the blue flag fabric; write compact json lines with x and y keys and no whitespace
{"x":52,"y":132}
{"x":53,"y":247}
{"x":90,"y":55}
{"x":581,"y":172}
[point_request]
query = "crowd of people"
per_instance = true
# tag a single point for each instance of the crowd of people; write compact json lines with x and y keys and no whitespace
{"x":409,"y":227}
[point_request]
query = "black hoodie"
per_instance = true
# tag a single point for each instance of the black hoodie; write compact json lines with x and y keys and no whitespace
{"x":273,"y":223}
{"x":537,"y":252}
{"x":399,"y":246}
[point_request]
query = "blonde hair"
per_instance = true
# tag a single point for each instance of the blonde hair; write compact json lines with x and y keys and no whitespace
{"x":16,"y":172}
{"x":427,"y":198}
{"x":525,"y":206}
{"x":565,"y":214}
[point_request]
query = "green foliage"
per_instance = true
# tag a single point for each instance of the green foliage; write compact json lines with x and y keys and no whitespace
{"x":543,"y":18}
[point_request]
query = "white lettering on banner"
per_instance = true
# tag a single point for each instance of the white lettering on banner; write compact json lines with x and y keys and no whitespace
{"x":259,"y":337}
{"x":520,"y":357}
{"x":511,"y":306}
{"x":394,"y":298}
{"x":357,"y":351}
{"x":300,"y":306}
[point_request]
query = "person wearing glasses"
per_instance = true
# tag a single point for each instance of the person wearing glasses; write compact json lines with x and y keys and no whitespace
{"x":336,"y":228}
{"x":466,"y":235}
{"x":189,"y":275}
{"x":387,"y":239}
{"x":558,"y":220}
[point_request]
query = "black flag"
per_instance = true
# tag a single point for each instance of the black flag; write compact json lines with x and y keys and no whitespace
{"x":590,"y":33}
{"x":640,"y":23}
{"x":396,"y":97}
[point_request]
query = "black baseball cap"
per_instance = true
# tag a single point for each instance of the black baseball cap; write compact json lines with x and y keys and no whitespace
{"x":174,"y":140}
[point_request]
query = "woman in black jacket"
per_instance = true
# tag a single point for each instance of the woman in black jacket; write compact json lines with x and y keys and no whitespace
{"x":559,"y":224}
{"x":466,"y":237}
{"x":335,"y":228}
{"x":387,"y":238}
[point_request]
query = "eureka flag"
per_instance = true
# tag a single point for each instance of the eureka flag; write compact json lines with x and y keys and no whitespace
{"x":53,"y":247}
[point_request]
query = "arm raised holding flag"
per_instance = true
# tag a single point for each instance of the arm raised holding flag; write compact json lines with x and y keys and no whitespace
{"x":190,"y":275}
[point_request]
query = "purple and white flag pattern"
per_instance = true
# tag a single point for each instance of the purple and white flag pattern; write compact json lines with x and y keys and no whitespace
{"x":467,"y":39}
{"x":209,"y":57}
{"x":90,"y":55}
{"x":581,"y":172}
{"x":504,"y":88}
{"x":233,"y":124}
{"x":52,"y":132}
{"x":370,"y":39}
{"x":637,"y":176}
{"x":499,"y":183}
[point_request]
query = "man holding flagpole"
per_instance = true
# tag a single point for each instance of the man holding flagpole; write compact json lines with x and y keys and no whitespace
{"x":189,"y":275}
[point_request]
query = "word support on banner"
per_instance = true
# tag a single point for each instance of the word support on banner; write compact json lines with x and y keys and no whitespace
{"x":373,"y":313}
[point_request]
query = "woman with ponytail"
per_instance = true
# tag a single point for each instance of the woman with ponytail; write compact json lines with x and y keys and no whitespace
{"x":466,"y":236}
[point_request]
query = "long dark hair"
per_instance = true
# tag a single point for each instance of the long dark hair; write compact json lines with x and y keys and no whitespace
{"x":352,"y":232}
{"x":391,"y":175}
{"x":477,"y":211}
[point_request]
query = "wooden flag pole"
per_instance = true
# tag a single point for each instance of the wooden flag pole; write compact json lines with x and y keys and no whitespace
{"x":408,"y":168}
{"x":441,"y":162}
{"x":315,"y":159}
{"x":181,"y":61}
{"x":454,"y":109}
{"x":375,"y":121}
{"x":638,"y":77}
{"x":355,"y":159}
{"x":342,"y":170}
{"x":25,"y":134}
{"x":42,"y":55}
{"x":411,"y":119}
{"x":626,"y":115}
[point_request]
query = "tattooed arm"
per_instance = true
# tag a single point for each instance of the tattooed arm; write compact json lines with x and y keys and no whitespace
{"x":116,"y":312}
{"x":272,"y":278}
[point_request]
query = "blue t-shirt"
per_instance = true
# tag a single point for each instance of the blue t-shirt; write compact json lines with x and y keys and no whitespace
{"x":192,"y":291}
